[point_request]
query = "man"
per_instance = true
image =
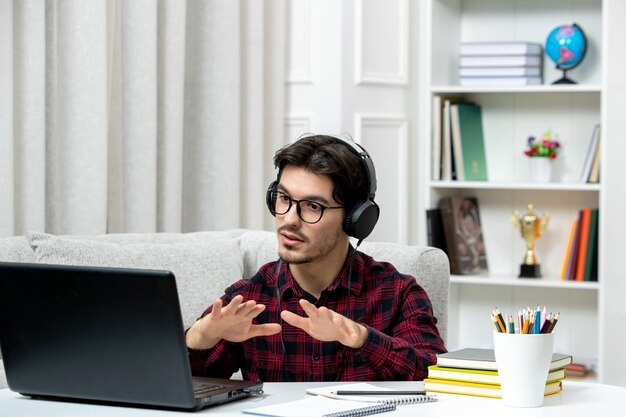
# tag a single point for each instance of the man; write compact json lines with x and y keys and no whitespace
{"x":323,"y":311}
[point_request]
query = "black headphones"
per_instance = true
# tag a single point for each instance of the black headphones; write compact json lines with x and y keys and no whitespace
{"x":360,"y":219}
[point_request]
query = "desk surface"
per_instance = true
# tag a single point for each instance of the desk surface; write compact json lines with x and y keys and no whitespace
{"x":577,"y":399}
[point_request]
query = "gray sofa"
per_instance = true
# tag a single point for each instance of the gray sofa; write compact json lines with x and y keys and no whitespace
{"x":205,"y":263}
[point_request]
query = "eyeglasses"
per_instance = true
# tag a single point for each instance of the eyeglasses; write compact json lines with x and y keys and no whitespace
{"x":309,"y":211}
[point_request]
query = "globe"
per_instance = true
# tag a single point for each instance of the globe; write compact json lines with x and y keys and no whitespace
{"x":566,"y":46}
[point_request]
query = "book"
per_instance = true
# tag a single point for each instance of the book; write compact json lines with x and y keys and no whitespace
{"x":320,"y":406}
{"x":446,"y":144}
{"x":570,"y":239}
{"x":500,"y":71}
{"x":592,"y":249}
{"x":500,"y":81}
{"x":464,"y":239}
{"x":577,"y":370}
{"x":436,"y":139}
{"x":473,"y":358}
{"x":434,"y":227}
{"x":500,"y":48}
{"x":379,"y":396}
{"x":573,"y":256}
{"x":472,"y":143}
{"x":457,"y":150}
{"x":480,"y":390}
{"x":590,"y":155}
{"x":594,"y":175}
{"x":584,"y":240}
{"x":480,"y":375}
{"x":501,"y":61}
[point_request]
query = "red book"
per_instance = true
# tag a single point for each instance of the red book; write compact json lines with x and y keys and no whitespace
{"x":584,"y":240}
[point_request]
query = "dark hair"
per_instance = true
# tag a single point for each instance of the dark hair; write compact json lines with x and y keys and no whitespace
{"x":325,"y":155}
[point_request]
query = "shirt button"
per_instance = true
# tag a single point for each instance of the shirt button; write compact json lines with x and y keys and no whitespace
{"x":316,"y":357}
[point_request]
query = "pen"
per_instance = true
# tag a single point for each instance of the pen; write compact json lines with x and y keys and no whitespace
{"x":347,"y":392}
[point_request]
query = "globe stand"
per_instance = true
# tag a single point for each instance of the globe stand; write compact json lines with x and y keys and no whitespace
{"x":564,"y":79}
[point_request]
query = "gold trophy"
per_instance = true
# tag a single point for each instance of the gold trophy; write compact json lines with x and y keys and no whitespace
{"x":530,"y":228}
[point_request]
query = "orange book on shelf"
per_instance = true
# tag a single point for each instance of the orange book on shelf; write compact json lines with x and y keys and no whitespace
{"x":572,"y":232}
{"x":584,"y":239}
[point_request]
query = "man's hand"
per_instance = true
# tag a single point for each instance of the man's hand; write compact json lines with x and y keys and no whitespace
{"x":232,"y":323}
{"x":326,"y":325}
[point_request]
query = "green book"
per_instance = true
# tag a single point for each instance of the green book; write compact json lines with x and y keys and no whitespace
{"x":472,"y":142}
{"x":592,"y":248}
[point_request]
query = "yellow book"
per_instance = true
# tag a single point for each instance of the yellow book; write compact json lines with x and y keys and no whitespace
{"x":479,"y":375}
{"x":572,"y":232}
{"x":447,"y":386}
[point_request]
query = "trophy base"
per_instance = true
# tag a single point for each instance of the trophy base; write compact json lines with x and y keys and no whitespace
{"x":529,"y":271}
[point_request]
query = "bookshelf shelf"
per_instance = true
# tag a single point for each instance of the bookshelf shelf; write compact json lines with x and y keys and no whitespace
{"x":457,"y":89}
{"x":493,"y":185}
{"x":517,"y":282}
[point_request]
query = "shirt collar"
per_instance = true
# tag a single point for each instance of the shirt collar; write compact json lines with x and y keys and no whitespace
{"x":286,"y":281}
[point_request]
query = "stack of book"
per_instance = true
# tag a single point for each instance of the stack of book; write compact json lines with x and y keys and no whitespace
{"x":581,"y":256}
{"x":474,"y":372}
{"x":501,"y":64}
{"x":577,"y":370}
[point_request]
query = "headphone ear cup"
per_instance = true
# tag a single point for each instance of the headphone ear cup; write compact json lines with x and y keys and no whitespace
{"x":360,"y":221}
{"x":270,"y":198}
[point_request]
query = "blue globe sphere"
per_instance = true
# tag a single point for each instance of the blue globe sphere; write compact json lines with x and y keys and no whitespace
{"x":566,"y":46}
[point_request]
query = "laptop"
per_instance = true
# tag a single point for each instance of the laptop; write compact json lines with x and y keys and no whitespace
{"x":101,"y":334}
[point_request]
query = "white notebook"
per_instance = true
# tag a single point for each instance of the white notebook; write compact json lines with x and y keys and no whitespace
{"x":320,"y":406}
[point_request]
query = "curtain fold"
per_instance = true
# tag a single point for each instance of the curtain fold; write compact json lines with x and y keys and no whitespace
{"x":29,"y":114}
{"x":76,"y":122}
{"x":138,"y":116}
{"x":7,"y":177}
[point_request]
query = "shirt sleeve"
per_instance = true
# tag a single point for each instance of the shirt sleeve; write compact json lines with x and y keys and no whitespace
{"x":413,"y":344}
{"x":222,"y":360}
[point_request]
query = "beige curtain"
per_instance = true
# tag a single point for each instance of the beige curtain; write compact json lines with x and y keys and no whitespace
{"x":138,"y":116}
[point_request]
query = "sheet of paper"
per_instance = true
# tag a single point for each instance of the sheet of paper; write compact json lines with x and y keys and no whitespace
{"x":314,"y":406}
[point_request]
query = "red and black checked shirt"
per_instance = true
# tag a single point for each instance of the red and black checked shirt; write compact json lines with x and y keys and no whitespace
{"x":402,"y":337}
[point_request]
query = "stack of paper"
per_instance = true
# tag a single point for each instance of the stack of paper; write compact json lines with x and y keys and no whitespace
{"x":501,"y":64}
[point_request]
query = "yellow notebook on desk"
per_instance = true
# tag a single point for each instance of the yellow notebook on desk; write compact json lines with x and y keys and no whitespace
{"x":480,"y":390}
{"x":479,"y":375}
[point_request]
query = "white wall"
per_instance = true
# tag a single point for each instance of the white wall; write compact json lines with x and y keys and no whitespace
{"x":351,"y":69}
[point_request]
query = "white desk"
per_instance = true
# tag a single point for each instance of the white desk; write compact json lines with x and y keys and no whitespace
{"x":577,"y":399}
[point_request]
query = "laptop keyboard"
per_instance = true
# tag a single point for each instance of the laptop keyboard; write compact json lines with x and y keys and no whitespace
{"x":204,"y":388}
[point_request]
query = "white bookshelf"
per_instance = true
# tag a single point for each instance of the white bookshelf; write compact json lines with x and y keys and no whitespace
{"x":510,"y":115}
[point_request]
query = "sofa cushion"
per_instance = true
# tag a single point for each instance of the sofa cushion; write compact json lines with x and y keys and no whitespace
{"x":203,"y":267}
{"x":15,"y":249}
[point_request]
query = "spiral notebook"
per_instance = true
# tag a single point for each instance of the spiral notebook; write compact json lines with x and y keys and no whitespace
{"x":392,"y":398}
{"x":320,"y":406}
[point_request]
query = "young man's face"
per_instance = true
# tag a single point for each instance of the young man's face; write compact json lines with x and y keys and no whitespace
{"x":300,"y":242}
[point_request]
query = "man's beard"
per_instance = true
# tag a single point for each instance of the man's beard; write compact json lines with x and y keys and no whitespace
{"x":326,"y":243}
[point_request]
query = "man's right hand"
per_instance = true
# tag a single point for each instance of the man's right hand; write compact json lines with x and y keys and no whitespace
{"x":232,"y":322}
